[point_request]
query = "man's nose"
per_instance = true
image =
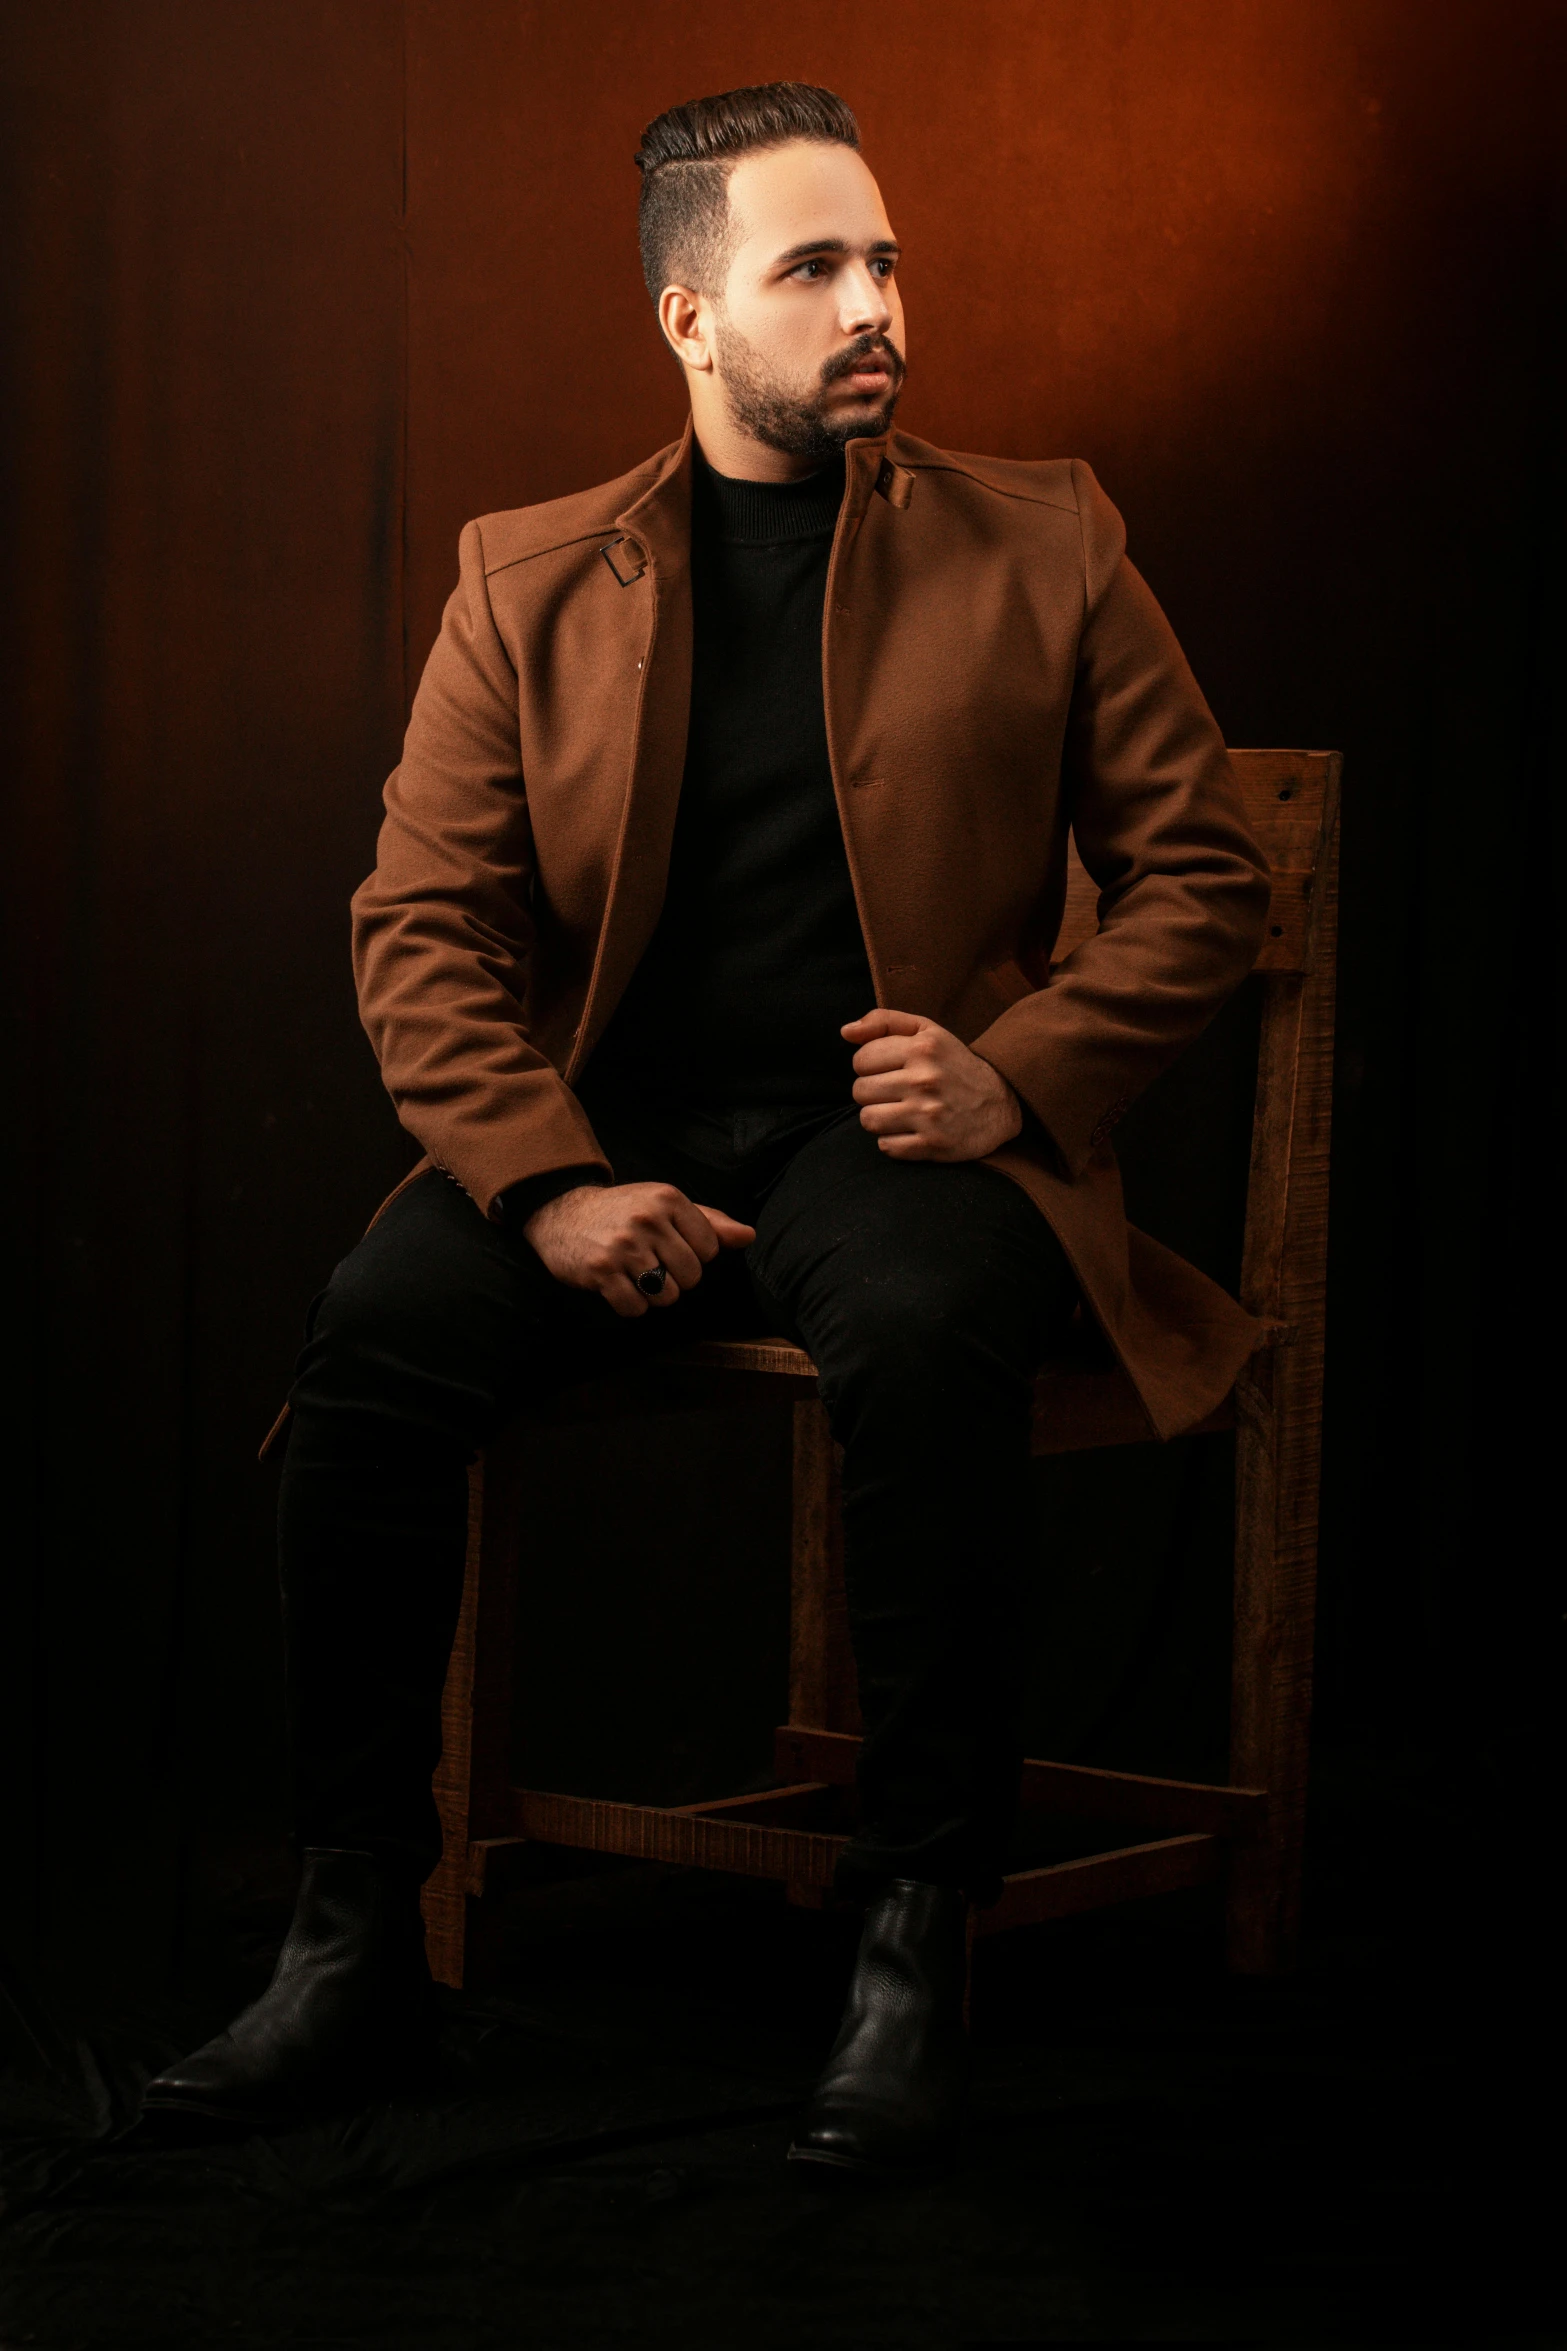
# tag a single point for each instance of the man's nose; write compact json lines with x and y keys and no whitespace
{"x":865,"y":309}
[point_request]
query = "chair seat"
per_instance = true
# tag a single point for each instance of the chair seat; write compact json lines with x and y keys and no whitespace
{"x":774,"y":1356}
{"x":1076,"y":1409}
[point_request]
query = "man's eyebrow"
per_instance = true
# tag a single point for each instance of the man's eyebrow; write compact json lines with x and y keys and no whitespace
{"x":817,"y":245}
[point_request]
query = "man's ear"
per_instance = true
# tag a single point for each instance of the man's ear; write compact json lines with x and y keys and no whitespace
{"x":684,"y":320}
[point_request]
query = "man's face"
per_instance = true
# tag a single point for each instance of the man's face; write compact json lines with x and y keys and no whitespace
{"x":807,"y":336}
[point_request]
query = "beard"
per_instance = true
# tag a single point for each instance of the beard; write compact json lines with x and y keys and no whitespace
{"x":781,"y":417}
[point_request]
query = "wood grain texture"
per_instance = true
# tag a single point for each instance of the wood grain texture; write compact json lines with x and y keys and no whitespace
{"x":1079,"y":1789}
{"x":1032,"y":1896}
{"x":822,"y":1687}
{"x":774,"y":1356}
{"x":445,"y":1892}
{"x":807,"y":1860}
{"x":471,"y":1779}
{"x":1279,"y":1418}
{"x":694,"y":1840}
{"x":780,"y":1808}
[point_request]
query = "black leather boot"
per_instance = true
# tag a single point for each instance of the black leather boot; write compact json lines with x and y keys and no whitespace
{"x":349,"y":2011}
{"x":891,"y":2097}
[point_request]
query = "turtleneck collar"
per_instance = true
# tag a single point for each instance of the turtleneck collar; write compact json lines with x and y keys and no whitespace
{"x":759,"y":513}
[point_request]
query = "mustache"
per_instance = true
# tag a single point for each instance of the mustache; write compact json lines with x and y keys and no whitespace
{"x":867,"y":347}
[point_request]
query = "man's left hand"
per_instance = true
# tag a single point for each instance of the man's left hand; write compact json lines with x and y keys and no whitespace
{"x":923,"y":1095}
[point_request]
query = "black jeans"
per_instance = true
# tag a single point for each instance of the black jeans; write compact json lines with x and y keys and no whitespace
{"x":926,"y":1294}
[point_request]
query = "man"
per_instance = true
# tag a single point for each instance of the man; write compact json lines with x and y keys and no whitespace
{"x":708,"y":957}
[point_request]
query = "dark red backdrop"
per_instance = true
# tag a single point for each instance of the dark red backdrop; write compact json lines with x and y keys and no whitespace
{"x":298,"y":287}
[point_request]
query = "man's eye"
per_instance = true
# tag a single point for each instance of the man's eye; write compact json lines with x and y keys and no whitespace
{"x":809,"y":266}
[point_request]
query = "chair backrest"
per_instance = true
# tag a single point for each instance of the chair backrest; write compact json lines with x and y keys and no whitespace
{"x":1292,"y":801}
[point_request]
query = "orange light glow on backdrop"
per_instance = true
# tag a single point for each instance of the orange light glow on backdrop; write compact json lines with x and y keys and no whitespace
{"x":1125,"y":225}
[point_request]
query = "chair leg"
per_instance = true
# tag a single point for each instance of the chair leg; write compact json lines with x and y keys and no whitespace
{"x":476,"y":1717}
{"x":821,"y":1663}
{"x":445,"y":1900}
{"x":1278,"y":1452}
{"x":1278,"y":1456}
{"x":1254,"y":1901}
{"x":822,"y":1693}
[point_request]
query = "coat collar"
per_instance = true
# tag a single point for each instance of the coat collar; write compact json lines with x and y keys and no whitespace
{"x":657,"y":523}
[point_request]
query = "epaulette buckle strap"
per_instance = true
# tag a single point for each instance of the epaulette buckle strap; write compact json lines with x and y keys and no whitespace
{"x":628,"y":566}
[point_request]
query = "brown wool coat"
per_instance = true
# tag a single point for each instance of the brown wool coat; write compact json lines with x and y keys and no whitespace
{"x":995,"y":672}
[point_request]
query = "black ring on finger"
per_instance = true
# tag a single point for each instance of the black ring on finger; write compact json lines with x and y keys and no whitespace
{"x":651,"y":1282}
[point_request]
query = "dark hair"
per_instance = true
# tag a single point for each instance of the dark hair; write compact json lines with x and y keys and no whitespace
{"x":685,"y":160}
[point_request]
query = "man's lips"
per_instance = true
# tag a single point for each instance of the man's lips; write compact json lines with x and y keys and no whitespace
{"x":866,"y":374}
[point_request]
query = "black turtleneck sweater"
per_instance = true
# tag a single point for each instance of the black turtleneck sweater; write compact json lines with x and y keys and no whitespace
{"x":758,"y":958}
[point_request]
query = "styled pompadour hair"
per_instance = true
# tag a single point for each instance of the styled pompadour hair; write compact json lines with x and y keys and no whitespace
{"x":685,"y":160}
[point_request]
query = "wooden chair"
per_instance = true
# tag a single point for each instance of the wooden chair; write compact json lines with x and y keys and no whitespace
{"x":1161,"y":1834}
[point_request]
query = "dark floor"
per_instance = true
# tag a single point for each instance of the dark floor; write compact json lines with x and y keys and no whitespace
{"x":1157,"y":2153}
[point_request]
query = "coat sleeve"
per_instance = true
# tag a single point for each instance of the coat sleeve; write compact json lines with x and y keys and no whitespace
{"x":441,"y":930}
{"x":1161,"y":828}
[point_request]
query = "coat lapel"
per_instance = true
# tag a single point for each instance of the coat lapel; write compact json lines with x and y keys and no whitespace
{"x":650,"y":557}
{"x":847,"y":667}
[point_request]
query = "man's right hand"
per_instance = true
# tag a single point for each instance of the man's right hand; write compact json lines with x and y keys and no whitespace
{"x":601,"y":1236}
